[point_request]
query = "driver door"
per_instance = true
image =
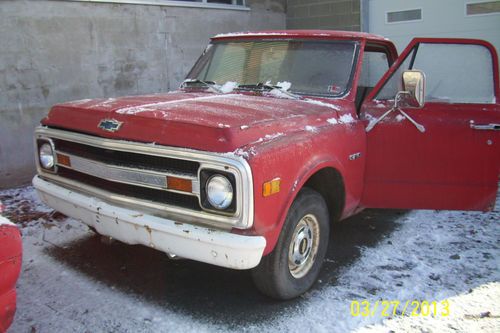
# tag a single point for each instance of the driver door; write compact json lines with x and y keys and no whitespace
{"x":455,"y":162}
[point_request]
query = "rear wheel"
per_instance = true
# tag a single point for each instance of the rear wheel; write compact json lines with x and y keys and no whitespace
{"x":293,"y":266}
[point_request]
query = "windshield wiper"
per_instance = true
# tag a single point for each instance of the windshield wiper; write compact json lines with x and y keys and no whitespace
{"x":209,"y":84}
{"x":265,"y":86}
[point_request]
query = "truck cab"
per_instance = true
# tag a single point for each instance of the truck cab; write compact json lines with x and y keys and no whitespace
{"x":274,"y":136}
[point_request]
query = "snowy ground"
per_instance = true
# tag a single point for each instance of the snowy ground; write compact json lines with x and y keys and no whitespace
{"x":71,"y":282}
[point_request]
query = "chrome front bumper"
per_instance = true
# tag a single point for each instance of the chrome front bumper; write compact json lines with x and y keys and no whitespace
{"x":198,"y":243}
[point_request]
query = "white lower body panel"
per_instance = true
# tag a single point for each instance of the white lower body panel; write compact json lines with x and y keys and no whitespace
{"x":133,"y":227}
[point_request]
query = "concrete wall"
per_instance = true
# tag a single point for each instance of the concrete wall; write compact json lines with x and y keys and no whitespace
{"x":55,"y":51}
{"x":323,"y":14}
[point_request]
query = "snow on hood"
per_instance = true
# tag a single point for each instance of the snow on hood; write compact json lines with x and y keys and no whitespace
{"x":320,"y":103}
{"x":346,"y":118}
{"x":285,"y":85}
{"x":203,"y":121}
{"x":228,"y":87}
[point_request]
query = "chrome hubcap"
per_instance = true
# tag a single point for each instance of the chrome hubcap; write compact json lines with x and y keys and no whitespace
{"x":304,"y":246}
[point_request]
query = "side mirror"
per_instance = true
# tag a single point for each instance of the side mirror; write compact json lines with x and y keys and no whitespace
{"x":413,"y":95}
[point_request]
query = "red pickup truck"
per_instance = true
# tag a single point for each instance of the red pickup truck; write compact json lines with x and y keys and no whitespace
{"x":273,"y":137}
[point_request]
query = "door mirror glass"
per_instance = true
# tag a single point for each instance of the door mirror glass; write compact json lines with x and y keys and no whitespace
{"x":413,"y":94}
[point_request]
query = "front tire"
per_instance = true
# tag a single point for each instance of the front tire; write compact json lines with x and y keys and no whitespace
{"x":293,"y":266}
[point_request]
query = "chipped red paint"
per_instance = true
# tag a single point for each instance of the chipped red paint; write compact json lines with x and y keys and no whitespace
{"x":294,"y":139}
{"x":10,"y":267}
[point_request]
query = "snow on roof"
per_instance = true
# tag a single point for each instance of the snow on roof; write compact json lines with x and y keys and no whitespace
{"x":302,"y":33}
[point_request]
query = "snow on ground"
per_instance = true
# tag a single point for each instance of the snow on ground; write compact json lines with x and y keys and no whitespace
{"x":483,"y":298}
{"x":4,"y":221}
{"x":72,"y":282}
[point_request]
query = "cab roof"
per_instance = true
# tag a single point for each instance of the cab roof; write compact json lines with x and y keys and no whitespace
{"x":327,"y":34}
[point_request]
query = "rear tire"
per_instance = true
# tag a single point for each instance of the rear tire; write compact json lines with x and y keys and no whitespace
{"x":293,"y":266}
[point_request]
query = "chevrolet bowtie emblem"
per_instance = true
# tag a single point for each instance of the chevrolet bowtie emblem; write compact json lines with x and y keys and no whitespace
{"x":110,"y":125}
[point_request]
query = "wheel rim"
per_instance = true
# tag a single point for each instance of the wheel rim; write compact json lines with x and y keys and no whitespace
{"x":304,"y":246}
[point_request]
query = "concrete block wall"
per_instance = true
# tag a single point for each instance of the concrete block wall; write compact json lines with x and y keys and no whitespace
{"x":55,"y":51}
{"x":323,"y":14}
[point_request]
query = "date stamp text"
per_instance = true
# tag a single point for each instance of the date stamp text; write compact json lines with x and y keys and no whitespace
{"x":386,"y":308}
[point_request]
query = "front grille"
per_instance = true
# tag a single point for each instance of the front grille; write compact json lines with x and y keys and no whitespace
{"x":126,"y":159}
{"x":144,"y":193}
{"x":137,"y":162}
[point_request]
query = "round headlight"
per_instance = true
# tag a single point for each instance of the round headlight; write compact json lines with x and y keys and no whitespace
{"x":46,"y":156}
{"x":219,"y":192}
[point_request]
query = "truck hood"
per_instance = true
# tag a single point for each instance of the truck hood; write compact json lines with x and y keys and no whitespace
{"x":203,"y":121}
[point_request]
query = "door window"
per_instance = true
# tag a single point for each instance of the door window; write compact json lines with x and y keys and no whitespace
{"x":455,"y":73}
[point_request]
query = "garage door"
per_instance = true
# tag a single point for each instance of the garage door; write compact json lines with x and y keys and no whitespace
{"x":400,"y":21}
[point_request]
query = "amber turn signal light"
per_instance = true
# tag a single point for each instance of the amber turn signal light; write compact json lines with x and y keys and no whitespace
{"x":179,"y":184}
{"x":271,"y":187}
{"x":63,"y":160}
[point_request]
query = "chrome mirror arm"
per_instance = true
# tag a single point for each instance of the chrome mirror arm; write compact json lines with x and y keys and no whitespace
{"x":372,"y":124}
{"x":420,"y":127}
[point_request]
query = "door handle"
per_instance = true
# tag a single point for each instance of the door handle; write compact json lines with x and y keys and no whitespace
{"x":485,"y":127}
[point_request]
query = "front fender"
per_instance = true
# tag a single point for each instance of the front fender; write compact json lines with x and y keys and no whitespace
{"x":294,"y":159}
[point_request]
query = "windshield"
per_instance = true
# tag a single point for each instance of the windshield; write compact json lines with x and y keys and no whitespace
{"x":301,"y":67}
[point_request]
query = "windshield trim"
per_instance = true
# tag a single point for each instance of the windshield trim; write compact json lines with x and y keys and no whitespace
{"x":344,"y":93}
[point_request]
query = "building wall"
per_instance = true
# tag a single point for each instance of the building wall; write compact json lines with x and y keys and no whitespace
{"x":444,"y":18}
{"x":323,"y":14}
{"x":55,"y":51}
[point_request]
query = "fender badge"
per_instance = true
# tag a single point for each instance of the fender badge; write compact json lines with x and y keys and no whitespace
{"x":354,"y":156}
{"x":110,"y":125}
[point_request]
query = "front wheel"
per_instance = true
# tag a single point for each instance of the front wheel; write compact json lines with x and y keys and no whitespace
{"x":293,"y":266}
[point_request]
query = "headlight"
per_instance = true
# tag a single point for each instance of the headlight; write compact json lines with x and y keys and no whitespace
{"x":219,"y":191}
{"x":46,"y":155}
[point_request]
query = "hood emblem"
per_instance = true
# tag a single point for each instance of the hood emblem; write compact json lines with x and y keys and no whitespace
{"x":110,"y":125}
